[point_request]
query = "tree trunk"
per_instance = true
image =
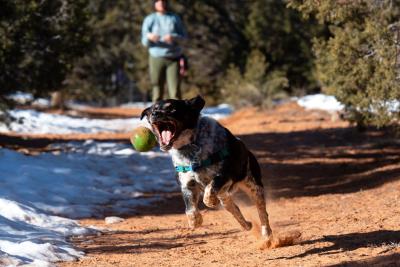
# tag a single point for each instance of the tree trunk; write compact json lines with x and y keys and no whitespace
{"x":57,"y":100}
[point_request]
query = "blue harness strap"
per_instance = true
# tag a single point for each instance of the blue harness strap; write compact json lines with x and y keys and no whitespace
{"x":184,"y":168}
{"x":214,"y":158}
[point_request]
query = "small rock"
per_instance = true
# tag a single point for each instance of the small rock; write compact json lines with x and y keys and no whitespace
{"x":113,"y":219}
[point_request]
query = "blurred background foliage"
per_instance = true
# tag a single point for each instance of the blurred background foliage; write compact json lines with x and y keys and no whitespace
{"x":240,"y":52}
{"x":360,"y":62}
{"x":39,"y":43}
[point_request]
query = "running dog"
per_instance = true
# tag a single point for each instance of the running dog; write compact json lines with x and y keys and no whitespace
{"x":208,"y":159}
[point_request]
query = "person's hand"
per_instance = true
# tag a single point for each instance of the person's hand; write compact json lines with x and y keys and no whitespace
{"x":169,"y":39}
{"x":153,"y":37}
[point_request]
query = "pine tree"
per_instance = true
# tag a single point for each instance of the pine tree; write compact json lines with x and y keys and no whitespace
{"x":39,"y":42}
{"x":359,"y":63}
{"x":117,"y":61}
{"x":285,"y":40}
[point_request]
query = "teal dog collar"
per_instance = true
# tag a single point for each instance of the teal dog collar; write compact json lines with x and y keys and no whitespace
{"x":214,"y":158}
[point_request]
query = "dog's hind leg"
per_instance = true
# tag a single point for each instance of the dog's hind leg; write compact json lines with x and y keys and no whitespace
{"x":256,"y":193}
{"x":229,"y":205}
{"x":191,"y":196}
{"x":227,"y":202}
{"x":252,"y":185}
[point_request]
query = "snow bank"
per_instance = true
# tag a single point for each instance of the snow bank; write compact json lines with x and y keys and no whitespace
{"x":218,"y":112}
{"x":28,"y":236}
{"x":331,"y":104}
{"x":90,"y":180}
{"x":42,"y":123}
{"x":77,"y":184}
{"x":25,"y":98}
{"x":320,"y":101}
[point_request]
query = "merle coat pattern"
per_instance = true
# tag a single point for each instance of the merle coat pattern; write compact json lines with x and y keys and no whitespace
{"x":190,"y":138}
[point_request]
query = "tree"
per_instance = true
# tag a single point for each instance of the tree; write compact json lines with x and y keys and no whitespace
{"x":278,"y":58}
{"x":39,"y":42}
{"x":285,"y":39}
{"x":117,"y":60}
{"x":253,"y":87}
{"x":216,"y":41}
{"x":359,"y":64}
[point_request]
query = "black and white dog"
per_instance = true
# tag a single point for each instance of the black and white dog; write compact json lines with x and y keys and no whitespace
{"x":208,"y":158}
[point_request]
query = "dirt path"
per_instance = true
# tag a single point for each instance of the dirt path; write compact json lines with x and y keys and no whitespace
{"x":338,"y":187}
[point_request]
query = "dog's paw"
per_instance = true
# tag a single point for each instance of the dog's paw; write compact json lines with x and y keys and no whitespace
{"x":210,"y":199}
{"x":195,"y":219}
{"x":247,"y":226}
{"x":268,"y":242}
{"x":280,"y":240}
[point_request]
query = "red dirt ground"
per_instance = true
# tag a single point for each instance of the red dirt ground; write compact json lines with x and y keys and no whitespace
{"x":336,"y":186}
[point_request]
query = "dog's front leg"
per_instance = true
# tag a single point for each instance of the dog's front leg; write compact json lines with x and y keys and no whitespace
{"x":191,"y":194}
{"x":210,"y":196}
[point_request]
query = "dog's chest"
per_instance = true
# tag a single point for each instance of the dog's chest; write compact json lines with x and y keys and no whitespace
{"x":210,"y":138}
{"x":203,"y":176}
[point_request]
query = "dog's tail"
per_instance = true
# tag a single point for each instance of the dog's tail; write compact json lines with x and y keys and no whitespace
{"x":255,"y":169}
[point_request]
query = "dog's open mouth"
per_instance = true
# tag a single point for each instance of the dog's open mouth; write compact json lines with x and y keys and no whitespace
{"x":166,"y":131}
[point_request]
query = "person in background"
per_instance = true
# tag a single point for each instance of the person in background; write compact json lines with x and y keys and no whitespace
{"x":162,"y":32}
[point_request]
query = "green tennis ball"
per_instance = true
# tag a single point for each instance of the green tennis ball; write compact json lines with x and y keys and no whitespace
{"x":143,"y":139}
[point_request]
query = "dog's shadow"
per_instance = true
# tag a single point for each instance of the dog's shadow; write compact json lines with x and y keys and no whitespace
{"x":350,"y":242}
{"x":392,"y":260}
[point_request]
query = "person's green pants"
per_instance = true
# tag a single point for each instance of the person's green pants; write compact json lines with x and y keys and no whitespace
{"x":162,"y":69}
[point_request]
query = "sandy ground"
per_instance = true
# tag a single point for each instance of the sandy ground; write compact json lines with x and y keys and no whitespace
{"x":338,"y":187}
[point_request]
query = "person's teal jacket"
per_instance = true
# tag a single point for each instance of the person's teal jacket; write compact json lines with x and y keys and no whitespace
{"x":163,"y":24}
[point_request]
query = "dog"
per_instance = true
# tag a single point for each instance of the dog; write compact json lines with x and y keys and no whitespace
{"x":207,"y":158}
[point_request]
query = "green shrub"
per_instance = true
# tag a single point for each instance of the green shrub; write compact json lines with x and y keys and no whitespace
{"x":254,"y":87}
{"x":359,"y":64}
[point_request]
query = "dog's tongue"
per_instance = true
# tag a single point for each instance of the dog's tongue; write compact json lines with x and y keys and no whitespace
{"x":166,"y":137}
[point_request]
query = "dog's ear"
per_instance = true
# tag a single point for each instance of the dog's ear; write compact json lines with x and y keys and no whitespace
{"x":145,"y":112}
{"x":197,"y":103}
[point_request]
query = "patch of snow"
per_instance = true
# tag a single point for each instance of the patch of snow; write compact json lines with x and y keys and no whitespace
{"x":25,"y":98}
{"x":41,"y":102}
{"x":218,"y":112}
{"x":89,"y":180}
{"x":28,"y":236}
{"x":320,"y":101}
{"x":113,"y":219}
{"x":331,"y":104}
{"x":78,"y":183}
{"x":20,"y":97}
{"x":35,"y":122}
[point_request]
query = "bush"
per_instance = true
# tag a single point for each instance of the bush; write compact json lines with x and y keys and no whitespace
{"x":359,"y":64}
{"x":254,"y":87}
